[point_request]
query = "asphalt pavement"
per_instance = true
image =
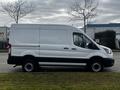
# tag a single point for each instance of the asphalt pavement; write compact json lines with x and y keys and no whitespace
{"x":5,"y":68}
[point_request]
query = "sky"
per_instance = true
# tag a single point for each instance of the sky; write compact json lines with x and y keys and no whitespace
{"x":55,"y":12}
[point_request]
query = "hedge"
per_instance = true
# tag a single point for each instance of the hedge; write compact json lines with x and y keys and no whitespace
{"x":107,"y":38}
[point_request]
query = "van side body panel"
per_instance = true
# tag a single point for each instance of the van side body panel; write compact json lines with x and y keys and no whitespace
{"x":50,"y":45}
{"x":24,"y":41}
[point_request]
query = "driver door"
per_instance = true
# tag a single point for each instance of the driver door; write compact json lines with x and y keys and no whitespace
{"x":82,"y":46}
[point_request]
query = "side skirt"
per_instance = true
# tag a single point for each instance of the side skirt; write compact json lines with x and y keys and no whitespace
{"x":61,"y":64}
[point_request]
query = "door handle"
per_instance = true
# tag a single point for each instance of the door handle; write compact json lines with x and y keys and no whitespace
{"x":66,"y":48}
{"x":74,"y":49}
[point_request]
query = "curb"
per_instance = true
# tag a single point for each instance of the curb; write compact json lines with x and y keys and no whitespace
{"x":3,"y":51}
{"x":116,"y":50}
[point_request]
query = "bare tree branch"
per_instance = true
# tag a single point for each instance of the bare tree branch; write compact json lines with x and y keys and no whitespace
{"x":83,"y":10}
{"x":17,"y":9}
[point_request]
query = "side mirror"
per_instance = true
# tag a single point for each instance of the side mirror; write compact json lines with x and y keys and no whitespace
{"x":92,"y":46}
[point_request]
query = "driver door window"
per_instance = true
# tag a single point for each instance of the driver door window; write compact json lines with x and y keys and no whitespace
{"x":81,"y":40}
{"x":78,"y":40}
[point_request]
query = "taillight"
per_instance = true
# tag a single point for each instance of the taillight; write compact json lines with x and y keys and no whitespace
{"x":8,"y":46}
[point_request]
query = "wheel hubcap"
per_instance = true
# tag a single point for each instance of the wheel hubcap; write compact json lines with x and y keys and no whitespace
{"x":29,"y":67}
{"x":96,"y":67}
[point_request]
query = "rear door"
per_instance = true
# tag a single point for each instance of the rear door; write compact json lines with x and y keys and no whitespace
{"x":25,"y":41}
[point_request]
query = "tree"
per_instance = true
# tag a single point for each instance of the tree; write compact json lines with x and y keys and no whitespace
{"x":83,"y":10}
{"x":18,"y":9}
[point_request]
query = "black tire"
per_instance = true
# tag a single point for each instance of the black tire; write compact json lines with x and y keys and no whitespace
{"x":30,"y":66}
{"x":95,"y":66}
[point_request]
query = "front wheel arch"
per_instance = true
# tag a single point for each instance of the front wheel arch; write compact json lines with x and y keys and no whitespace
{"x":95,"y":60}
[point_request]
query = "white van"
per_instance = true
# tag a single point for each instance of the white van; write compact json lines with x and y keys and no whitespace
{"x":34,"y":45}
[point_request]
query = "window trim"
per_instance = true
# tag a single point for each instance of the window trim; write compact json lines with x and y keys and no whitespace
{"x":78,"y":33}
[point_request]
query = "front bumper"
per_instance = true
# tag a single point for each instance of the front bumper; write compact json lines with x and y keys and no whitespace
{"x":108,"y":62}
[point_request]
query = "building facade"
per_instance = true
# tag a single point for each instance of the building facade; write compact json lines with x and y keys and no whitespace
{"x":3,"y":37}
{"x":95,"y":28}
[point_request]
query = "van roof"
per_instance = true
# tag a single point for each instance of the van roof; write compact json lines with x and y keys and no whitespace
{"x":44,"y":26}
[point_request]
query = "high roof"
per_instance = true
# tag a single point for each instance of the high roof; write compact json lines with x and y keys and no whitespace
{"x":43,"y":26}
{"x":104,"y":25}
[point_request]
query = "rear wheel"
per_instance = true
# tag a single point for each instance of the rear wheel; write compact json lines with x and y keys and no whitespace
{"x":30,"y":66}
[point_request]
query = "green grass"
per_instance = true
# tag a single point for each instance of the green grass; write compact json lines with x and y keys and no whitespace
{"x":3,"y":51}
{"x":60,"y":81}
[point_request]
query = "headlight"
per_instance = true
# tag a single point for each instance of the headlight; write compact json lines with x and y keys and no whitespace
{"x":108,"y":51}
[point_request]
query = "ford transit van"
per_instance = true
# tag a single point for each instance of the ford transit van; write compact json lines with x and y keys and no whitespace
{"x":35,"y":45}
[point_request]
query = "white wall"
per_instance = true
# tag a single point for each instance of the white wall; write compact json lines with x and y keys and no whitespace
{"x":92,"y":30}
{"x":3,"y":33}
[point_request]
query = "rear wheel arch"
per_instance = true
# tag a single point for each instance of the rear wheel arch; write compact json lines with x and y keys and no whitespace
{"x":31,"y":57}
{"x":30,"y":60}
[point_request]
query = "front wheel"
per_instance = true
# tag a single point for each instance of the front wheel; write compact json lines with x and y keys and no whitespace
{"x":30,"y":66}
{"x":95,"y":66}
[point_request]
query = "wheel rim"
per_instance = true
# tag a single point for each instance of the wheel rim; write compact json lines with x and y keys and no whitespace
{"x":29,"y":67}
{"x":96,"y":67}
